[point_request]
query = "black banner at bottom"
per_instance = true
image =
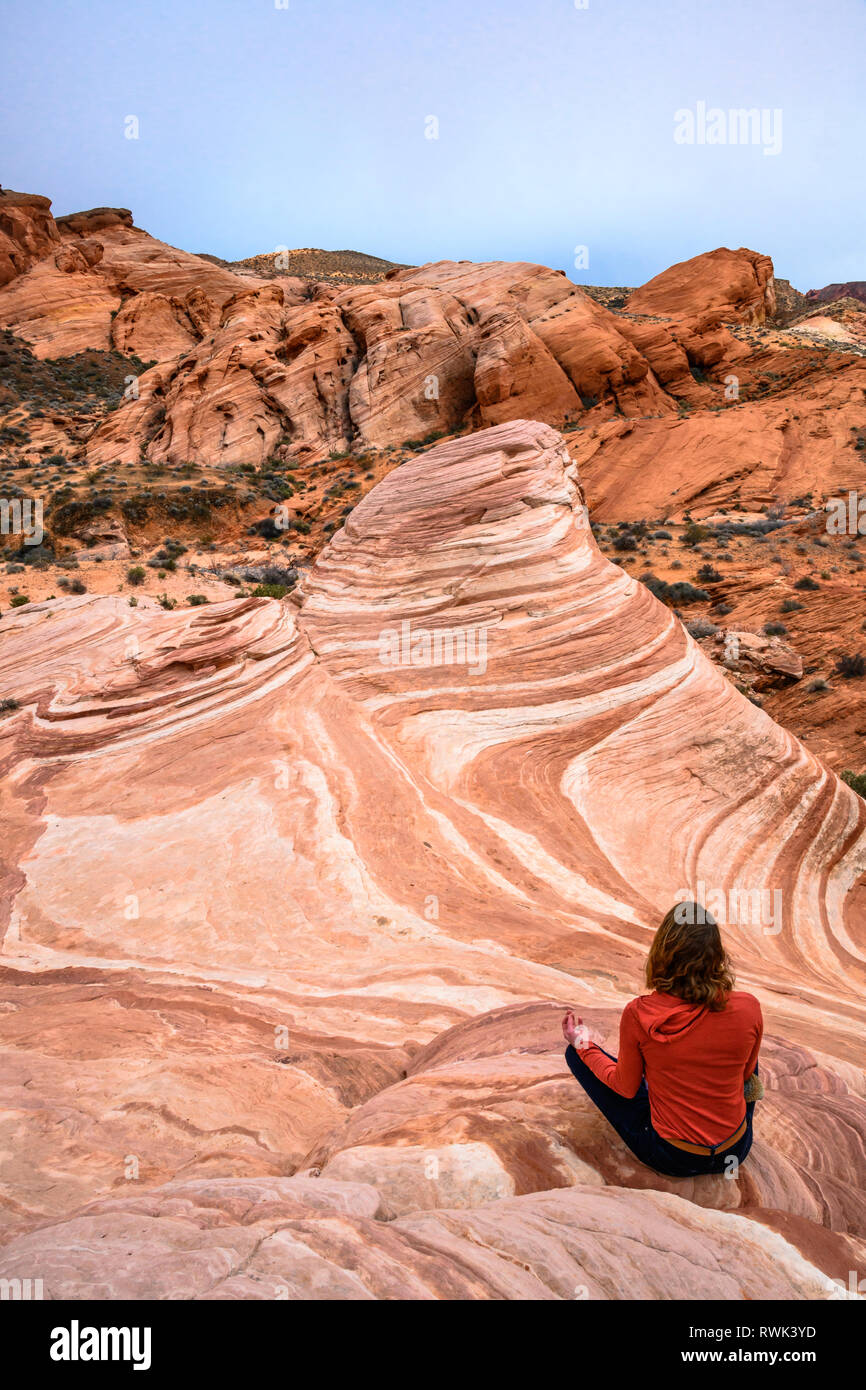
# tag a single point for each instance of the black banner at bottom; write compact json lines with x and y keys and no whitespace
{"x":225,"y":1338}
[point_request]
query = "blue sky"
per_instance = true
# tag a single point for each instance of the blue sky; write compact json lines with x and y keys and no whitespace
{"x":262,"y":127}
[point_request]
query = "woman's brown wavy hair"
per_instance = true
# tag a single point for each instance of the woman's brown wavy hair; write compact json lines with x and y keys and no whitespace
{"x":687,"y":958}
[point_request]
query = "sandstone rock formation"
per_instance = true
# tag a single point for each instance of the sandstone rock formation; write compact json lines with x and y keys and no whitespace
{"x":27,"y":232}
{"x":292,"y":1238}
{"x":426,"y":351}
{"x":733,"y":286}
{"x":759,"y":452}
{"x":682,"y":395}
{"x":294,"y":892}
{"x":66,"y":279}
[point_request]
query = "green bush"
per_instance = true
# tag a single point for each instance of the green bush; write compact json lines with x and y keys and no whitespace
{"x":136,"y":574}
{"x":270,"y":591}
{"x":674,"y":594}
{"x":195,"y":600}
{"x":856,"y":781}
{"x":18,"y":600}
{"x":693,"y":534}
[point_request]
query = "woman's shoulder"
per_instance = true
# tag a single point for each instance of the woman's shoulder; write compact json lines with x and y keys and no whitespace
{"x":743,"y":1002}
{"x":634,"y":1005}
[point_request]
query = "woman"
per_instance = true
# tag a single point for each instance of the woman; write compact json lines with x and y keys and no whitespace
{"x":682,"y":1091}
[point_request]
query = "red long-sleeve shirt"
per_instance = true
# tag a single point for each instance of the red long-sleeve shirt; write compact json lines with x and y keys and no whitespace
{"x":695,"y":1062}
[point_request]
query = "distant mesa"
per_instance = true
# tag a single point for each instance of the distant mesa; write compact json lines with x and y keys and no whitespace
{"x":852,"y":289}
{"x":312,"y":263}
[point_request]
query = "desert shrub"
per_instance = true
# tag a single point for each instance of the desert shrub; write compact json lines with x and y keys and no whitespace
{"x":856,"y":781}
{"x":701,"y":627}
{"x":269,"y":528}
{"x":807,"y":583}
{"x":18,"y":600}
{"x":674,"y":594}
{"x":775,"y":630}
{"x":270,"y":591}
{"x":71,"y":516}
{"x":791,"y":606}
{"x":625,"y":541}
{"x":77,"y":586}
{"x":167,"y":603}
{"x":707,"y":574}
{"x":195,"y":600}
{"x":407,"y":444}
{"x":816,"y":686}
{"x":683,"y":592}
{"x":136,"y":574}
{"x":279,"y":574}
{"x":693,"y":534}
{"x":8,"y":705}
{"x":851,"y":666}
{"x":72,"y":379}
{"x":662,"y":536}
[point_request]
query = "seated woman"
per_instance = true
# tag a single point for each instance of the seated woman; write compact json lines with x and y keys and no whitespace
{"x":682,"y":1091}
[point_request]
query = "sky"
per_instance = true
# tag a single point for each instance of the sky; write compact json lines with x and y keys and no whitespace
{"x":422,"y":130}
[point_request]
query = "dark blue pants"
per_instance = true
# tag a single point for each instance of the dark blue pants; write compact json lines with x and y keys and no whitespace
{"x":631,"y":1120}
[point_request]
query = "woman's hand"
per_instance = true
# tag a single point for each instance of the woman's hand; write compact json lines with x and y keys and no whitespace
{"x":577,"y":1034}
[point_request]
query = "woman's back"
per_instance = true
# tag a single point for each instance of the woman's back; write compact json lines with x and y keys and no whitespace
{"x":675,"y":1094}
{"x":696,"y":1061}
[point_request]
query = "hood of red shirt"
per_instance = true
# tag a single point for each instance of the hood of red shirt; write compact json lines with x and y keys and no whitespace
{"x":665,"y":1017}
